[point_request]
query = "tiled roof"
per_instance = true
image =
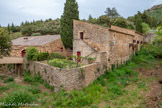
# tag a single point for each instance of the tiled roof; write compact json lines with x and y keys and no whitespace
{"x":35,"y":40}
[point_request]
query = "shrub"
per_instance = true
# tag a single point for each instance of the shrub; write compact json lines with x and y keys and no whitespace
{"x":30,"y":79}
{"x":16,"y":99}
{"x":63,"y":63}
{"x":91,"y":59}
{"x":4,"y":88}
{"x":35,"y":34}
{"x":10,"y":79}
{"x":32,"y":54}
{"x":34,"y":90}
{"x":56,"y":55}
{"x":42,"y":56}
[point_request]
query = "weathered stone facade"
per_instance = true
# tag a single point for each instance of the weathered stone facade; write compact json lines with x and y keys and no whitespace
{"x":67,"y":79}
{"x":52,"y":46}
{"x":117,"y":43}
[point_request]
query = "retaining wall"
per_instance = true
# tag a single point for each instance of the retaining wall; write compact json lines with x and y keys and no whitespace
{"x":67,"y":79}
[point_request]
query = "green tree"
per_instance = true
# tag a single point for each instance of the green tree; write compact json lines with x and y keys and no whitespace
{"x":5,"y":42}
{"x":112,"y":13}
{"x":90,"y":17}
{"x":145,"y":27}
{"x":104,"y":20}
{"x":138,"y":22}
{"x":121,"y":22}
{"x":32,"y":54}
{"x":66,"y":27}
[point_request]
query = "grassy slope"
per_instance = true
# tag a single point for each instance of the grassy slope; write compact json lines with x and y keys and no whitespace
{"x":125,"y":87}
{"x":156,"y":12}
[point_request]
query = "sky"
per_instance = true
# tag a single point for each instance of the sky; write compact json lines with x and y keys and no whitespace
{"x":16,"y":11}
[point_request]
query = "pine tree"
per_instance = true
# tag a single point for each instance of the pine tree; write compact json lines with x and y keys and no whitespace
{"x":66,"y":27}
{"x":8,"y":28}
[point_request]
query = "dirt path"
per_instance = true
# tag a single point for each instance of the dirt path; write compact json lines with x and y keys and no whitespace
{"x":154,"y":96}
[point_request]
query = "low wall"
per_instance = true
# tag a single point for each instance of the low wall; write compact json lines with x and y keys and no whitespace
{"x":67,"y":79}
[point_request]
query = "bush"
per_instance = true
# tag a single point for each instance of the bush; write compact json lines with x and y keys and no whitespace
{"x":56,"y":55}
{"x":10,"y":79}
{"x":35,"y":34}
{"x":58,"y":63}
{"x":32,"y":54}
{"x":16,"y":99}
{"x":31,"y":79}
{"x":34,"y":90}
{"x":63,"y":63}
{"x":4,"y":88}
{"x":42,"y":56}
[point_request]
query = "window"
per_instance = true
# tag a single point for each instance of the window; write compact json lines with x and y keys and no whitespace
{"x":137,"y":42}
{"x":81,"y":35}
{"x":61,"y":49}
{"x":134,"y":41}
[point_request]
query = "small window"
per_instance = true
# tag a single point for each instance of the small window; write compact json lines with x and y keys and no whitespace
{"x":81,"y":35}
{"x":137,"y":42}
{"x":61,"y":49}
{"x":134,"y":41}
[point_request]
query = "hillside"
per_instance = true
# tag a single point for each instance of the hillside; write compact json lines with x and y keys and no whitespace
{"x":155,"y":11}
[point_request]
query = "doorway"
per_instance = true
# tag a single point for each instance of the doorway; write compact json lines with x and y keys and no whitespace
{"x":78,"y":55}
{"x":23,"y":52}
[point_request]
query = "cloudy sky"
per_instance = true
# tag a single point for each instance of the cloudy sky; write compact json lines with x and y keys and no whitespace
{"x":17,"y":11}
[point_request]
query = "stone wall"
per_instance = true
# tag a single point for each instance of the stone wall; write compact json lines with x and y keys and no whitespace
{"x":54,"y":46}
{"x":68,"y":79}
{"x":119,"y":47}
{"x":94,"y":35}
{"x":118,"y":43}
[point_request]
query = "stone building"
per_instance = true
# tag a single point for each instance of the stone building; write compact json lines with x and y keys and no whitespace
{"x":109,"y":46}
{"x":48,"y":43}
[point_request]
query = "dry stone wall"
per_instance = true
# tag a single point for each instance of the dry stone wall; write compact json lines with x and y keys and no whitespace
{"x":67,"y":79}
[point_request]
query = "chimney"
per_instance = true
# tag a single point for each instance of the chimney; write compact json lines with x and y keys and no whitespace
{"x":25,"y":39}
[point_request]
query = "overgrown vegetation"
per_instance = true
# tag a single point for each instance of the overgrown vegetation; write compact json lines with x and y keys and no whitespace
{"x":5,"y":42}
{"x":121,"y":87}
{"x":32,"y":54}
{"x":63,"y":63}
{"x":16,"y":99}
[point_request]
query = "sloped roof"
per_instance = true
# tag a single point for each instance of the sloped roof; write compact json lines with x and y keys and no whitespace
{"x":35,"y":40}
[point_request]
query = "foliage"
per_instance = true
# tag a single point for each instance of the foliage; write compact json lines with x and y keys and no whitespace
{"x":140,"y":18}
{"x":56,"y":55}
{"x":147,"y":53}
{"x":66,"y":27}
{"x":121,"y":22}
{"x":15,"y":35}
{"x":34,"y":90}
{"x":145,"y":27}
{"x":10,"y":79}
{"x":32,"y":79}
{"x":91,"y":59}
{"x":112,"y":13}
{"x":32,"y":53}
{"x":156,"y":13}
{"x":63,"y":63}
{"x":35,"y":34}
{"x":42,"y":56}
{"x":43,"y":27}
{"x":4,"y":88}
{"x":103,"y":20}
{"x":5,"y":42}
{"x":16,"y":99}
